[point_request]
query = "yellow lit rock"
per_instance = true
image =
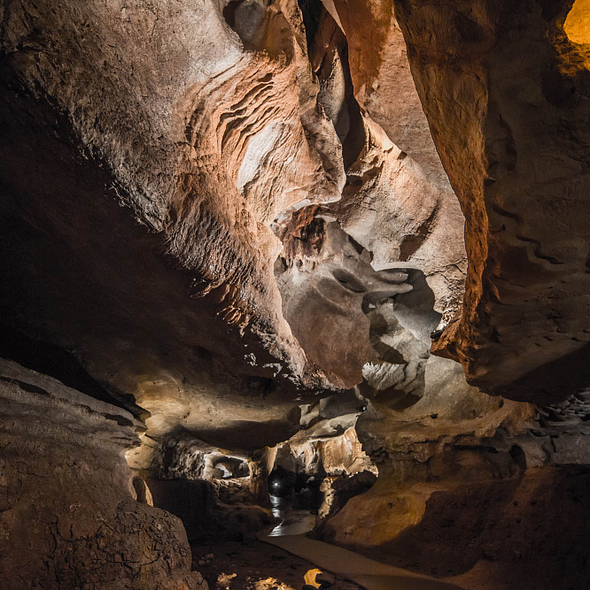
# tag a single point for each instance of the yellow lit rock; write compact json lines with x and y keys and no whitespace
{"x":310,"y":577}
{"x":577,"y":23}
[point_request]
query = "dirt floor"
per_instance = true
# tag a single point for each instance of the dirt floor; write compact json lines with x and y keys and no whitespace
{"x":254,"y":565}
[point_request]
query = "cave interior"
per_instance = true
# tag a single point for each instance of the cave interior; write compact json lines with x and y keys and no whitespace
{"x":295,"y":294}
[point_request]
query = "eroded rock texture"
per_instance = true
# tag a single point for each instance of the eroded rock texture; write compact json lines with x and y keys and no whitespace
{"x":206,"y":135}
{"x":464,"y":494}
{"x":68,"y":510}
{"x":509,"y":77}
{"x":422,"y":223}
{"x":137,"y":196}
{"x":229,"y":221}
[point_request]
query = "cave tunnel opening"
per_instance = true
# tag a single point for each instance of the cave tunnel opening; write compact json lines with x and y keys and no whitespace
{"x":297,"y":491}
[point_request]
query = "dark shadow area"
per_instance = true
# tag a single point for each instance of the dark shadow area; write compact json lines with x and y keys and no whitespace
{"x":249,"y":435}
{"x":204,"y":517}
{"x":527,"y":532}
{"x":259,"y":26}
{"x":51,"y":360}
{"x":246,"y":18}
{"x":312,"y":12}
{"x":290,"y":490}
{"x":553,"y":382}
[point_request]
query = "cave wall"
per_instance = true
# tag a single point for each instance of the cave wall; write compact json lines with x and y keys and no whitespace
{"x":69,"y":512}
{"x":175,"y":168}
{"x":134,"y":203}
{"x":509,"y":77}
{"x":477,"y":490}
{"x":423,"y":224}
{"x":514,"y":529}
{"x":249,"y":213}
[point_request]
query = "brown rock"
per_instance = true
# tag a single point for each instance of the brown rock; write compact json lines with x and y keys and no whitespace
{"x":508,"y":77}
{"x":69,"y":518}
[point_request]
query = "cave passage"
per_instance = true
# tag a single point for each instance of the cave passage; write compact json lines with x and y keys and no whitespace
{"x":294,"y":285}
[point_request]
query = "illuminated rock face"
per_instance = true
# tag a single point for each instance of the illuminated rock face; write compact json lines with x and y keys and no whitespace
{"x":231,"y":219}
{"x":423,"y":223}
{"x":171,"y":297}
{"x":517,"y":87}
{"x":178,"y":164}
{"x":156,"y":162}
{"x":577,"y":23}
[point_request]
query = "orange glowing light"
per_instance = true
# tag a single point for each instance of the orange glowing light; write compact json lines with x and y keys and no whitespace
{"x":577,"y":23}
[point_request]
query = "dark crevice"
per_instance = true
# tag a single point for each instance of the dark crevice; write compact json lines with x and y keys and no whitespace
{"x":51,"y":360}
{"x":25,"y":386}
{"x":247,"y":19}
{"x":327,"y":46}
{"x":312,"y":11}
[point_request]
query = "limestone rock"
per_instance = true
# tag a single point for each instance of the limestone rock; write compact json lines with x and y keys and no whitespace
{"x":510,"y":78}
{"x":68,"y":512}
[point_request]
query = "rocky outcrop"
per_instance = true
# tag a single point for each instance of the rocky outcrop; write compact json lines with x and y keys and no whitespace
{"x":465,"y":484}
{"x":401,"y":208}
{"x":516,"y":86}
{"x":175,"y":164}
{"x":503,"y":533}
{"x":68,"y":510}
{"x":328,"y":286}
{"x":338,"y":466}
{"x":154,"y":231}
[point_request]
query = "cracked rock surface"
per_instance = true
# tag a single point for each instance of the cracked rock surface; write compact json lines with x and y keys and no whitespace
{"x":64,"y":475}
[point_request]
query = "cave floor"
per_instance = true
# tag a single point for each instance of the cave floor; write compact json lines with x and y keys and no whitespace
{"x":279,"y":558}
{"x":369,"y":574}
{"x":254,"y":565}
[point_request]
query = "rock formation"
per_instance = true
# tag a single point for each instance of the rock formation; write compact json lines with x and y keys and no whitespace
{"x":244,"y":236}
{"x":516,"y":84}
{"x":69,"y":514}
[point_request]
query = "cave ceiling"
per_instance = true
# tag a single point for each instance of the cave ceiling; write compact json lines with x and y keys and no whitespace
{"x":220,"y":212}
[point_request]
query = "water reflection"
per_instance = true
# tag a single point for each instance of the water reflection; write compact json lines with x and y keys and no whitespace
{"x":292,"y":522}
